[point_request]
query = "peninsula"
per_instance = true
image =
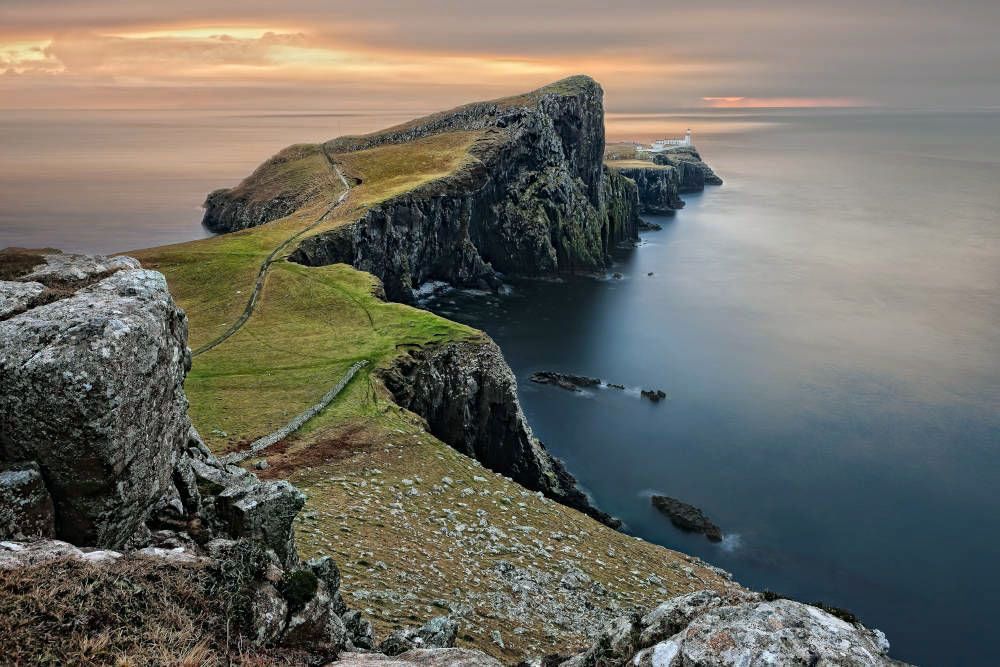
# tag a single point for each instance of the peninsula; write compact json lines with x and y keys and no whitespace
{"x":318,"y":470}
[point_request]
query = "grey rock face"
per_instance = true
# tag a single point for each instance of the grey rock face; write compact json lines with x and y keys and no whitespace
{"x":359,"y":630}
{"x":439,"y":632}
{"x":62,"y":269}
{"x":263,"y":512}
{"x":317,"y":623}
{"x":704,"y":629}
{"x":93,"y":393}
{"x":692,"y":172}
{"x":25,"y":505}
{"x":468,"y":395}
{"x":441,"y":657}
{"x":17,"y":297}
{"x":658,"y":188}
{"x":269,"y":611}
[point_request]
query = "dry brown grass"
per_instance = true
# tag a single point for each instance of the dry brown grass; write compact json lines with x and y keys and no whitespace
{"x":136,"y":611}
{"x":15,"y":262}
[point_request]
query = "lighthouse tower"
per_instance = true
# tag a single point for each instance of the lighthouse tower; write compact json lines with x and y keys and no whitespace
{"x":687,"y":137}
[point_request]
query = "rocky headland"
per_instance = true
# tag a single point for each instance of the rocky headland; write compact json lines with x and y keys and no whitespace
{"x":458,"y":539}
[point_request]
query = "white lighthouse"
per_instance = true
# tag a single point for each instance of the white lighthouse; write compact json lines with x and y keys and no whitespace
{"x":661,"y":145}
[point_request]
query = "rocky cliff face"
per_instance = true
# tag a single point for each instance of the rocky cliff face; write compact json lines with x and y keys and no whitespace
{"x":658,"y":188}
{"x":536,"y":200}
{"x":692,"y":172}
{"x":468,"y":395}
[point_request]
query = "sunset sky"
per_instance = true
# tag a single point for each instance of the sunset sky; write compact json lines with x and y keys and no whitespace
{"x":359,"y":54}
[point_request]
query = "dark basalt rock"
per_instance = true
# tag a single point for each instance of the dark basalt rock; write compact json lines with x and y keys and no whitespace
{"x":658,"y":188}
{"x":655,"y":395}
{"x":468,"y":395}
{"x":692,"y":172}
{"x":565,"y":381}
{"x":536,"y":200}
{"x":687,"y":517}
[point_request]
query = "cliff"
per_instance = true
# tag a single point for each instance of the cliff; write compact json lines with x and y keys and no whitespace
{"x":468,"y":395}
{"x":661,"y":180}
{"x":693,"y":174}
{"x":532,"y":198}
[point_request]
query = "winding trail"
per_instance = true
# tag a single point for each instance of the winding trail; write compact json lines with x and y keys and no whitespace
{"x":262,"y":273}
{"x":300,"y":419}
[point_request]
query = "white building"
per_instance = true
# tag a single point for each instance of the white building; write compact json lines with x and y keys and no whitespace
{"x":661,"y":145}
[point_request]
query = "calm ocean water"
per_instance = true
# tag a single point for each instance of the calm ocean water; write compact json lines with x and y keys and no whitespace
{"x":825,"y":324}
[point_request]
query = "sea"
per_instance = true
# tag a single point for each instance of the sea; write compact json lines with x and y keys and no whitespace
{"x":826,"y":326}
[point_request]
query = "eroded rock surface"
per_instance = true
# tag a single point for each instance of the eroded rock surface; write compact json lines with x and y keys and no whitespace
{"x":93,"y":393}
{"x":25,"y":504}
{"x":740,"y":629}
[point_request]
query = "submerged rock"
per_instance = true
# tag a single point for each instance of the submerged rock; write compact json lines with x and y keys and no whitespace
{"x":687,"y":517}
{"x":655,"y":395}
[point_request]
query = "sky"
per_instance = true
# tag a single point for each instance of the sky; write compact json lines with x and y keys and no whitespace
{"x":650,"y":55}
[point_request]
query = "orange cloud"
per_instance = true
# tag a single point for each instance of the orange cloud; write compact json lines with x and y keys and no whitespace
{"x":781,"y":102}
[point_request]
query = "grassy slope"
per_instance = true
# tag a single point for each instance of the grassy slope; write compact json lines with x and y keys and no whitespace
{"x":309,"y":326}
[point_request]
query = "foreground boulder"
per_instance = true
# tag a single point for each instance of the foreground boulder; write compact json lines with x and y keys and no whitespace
{"x":441,"y":657}
{"x":97,"y":449}
{"x":92,"y":392}
{"x":705,"y":628}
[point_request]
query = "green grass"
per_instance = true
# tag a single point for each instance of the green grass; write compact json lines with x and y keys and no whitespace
{"x":310,"y":325}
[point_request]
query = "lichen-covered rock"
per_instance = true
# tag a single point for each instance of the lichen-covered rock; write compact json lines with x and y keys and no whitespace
{"x":674,"y":615}
{"x":268,"y":612}
{"x":359,"y":630}
{"x":439,"y":632}
{"x":15,"y":555}
{"x":781,"y":631}
{"x":705,"y":629}
{"x":263,"y":512}
{"x":65,"y":269}
{"x":25,"y":504}
{"x":468,"y":395}
{"x":316,"y":624}
{"x":93,"y":392}
{"x":17,"y":297}
{"x":439,"y":657}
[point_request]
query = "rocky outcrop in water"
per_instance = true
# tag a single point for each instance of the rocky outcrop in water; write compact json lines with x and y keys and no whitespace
{"x":566,"y":381}
{"x":687,"y":517}
{"x":468,"y":395}
{"x":705,"y":628}
{"x":692,"y":172}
